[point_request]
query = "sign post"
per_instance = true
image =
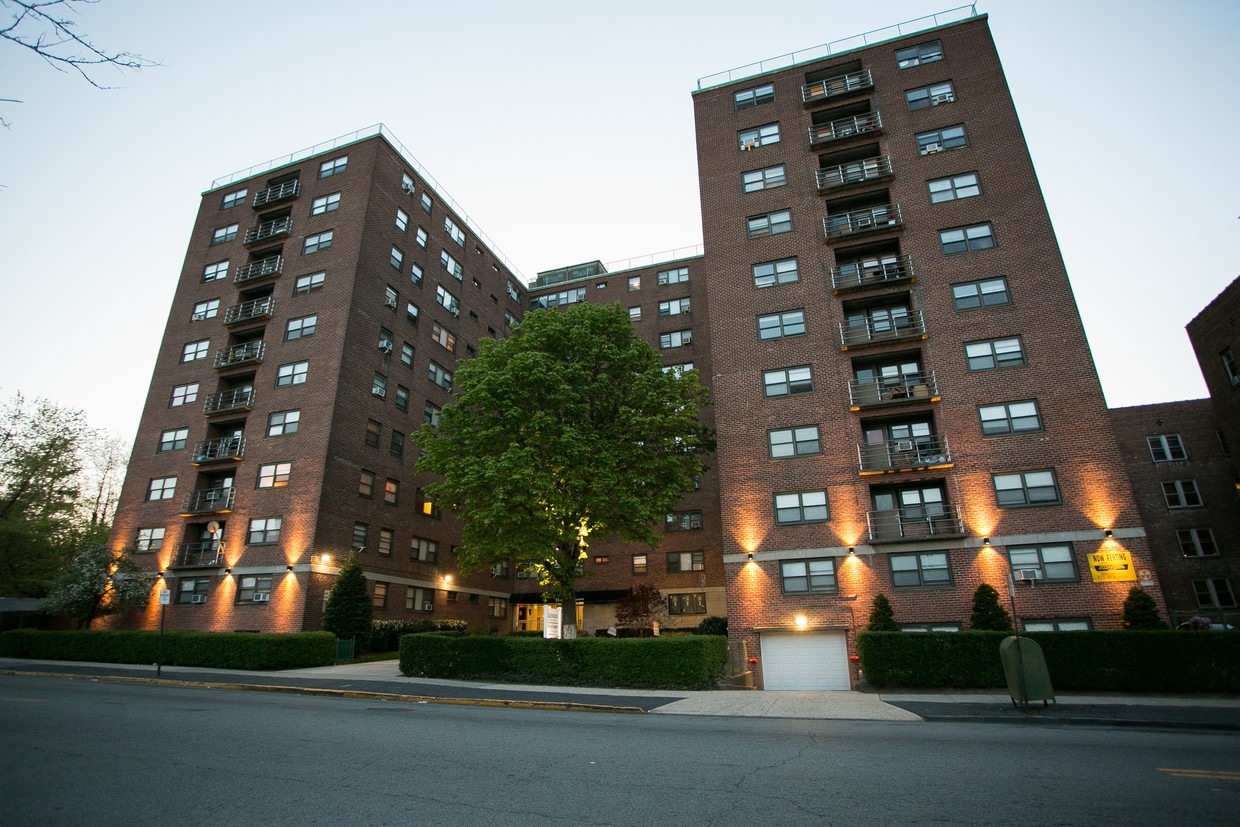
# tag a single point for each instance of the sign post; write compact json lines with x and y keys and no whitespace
{"x":165,"y":597}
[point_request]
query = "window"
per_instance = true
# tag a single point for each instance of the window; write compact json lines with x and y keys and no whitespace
{"x":497,"y":607}
{"x":680,"y":370}
{"x":149,"y":539}
{"x":635,"y":313}
{"x":965,"y":239}
{"x":1197,"y":542}
{"x":396,"y":444}
{"x":193,"y":589}
{"x":770,"y":224}
{"x":441,"y":337}
{"x":379,"y":598}
{"x":415,"y":274}
{"x":513,"y":292}
{"x":759,"y":136}
{"x":224,"y":234}
{"x":423,"y":550}
{"x":451,"y":265}
{"x":428,"y":505}
{"x":1230,"y":367}
{"x":635,"y":283}
{"x":333,"y":167}
{"x":793,"y":442}
{"x":787,"y":381}
{"x":292,"y":374}
{"x":430,"y":414}
{"x":420,"y":236}
{"x":919,"y":54}
{"x":378,"y":385}
{"x":274,"y":475}
{"x":801,"y":507}
{"x":385,"y":541}
{"x":602,"y":559}
{"x":426,"y":203}
{"x":305,"y":284}
{"x":1182,"y":494}
{"x":373,"y":429}
{"x":419,"y":600}
{"x":1166,"y":447}
{"x":674,"y":307}
{"x":993,"y":354}
{"x":931,"y":627}
{"x":195,"y":350}
{"x":693,"y":603}
{"x":1214,"y":592}
{"x":205,"y":310}
{"x":677,"y":276}
{"x":406,"y":354}
{"x":396,"y":258}
{"x":161,"y":488}
{"x":780,"y":325}
{"x":183,"y":395}
{"x":317,"y":242}
{"x":391,"y":492}
{"x":920,"y":570}
{"x":676,"y":338}
{"x":772,"y":273}
{"x":232,"y":199}
{"x":764,"y":179}
{"x":954,"y":188}
{"x":986,"y":293}
{"x":682,"y":521}
{"x":254,"y":588}
{"x":366,"y":484}
{"x":804,"y":576}
{"x":402,"y":220}
{"x":300,"y":328}
{"x":283,"y":422}
{"x":173,"y":440}
{"x":942,"y":140}
{"x":456,"y":233}
{"x":1063,"y":624}
{"x":439,"y":376}
{"x":1010,"y":418}
{"x":402,"y":398}
{"x":411,"y":313}
{"x":1027,"y":488}
{"x":325,"y":203}
{"x":215,"y":272}
{"x":264,"y":531}
{"x":448,"y":301}
{"x":747,"y":98}
{"x":361,"y":536}
{"x":1051,"y":562}
{"x":560,"y":299}
{"x":639,"y":564}
{"x":928,"y":96}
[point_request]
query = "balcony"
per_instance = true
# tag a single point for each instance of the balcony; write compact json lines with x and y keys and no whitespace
{"x":837,"y":130}
{"x":250,"y":311}
{"x":854,"y":172}
{"x":260,"y":269}
{"x":279,"y":192}
{"x":198,"y":556}
{"x":219,"y":450}
{"x":920,"y":454}
{"x":875,"y":272}
{"x":916,"y":523}
{"x":247,"y":353}
{"x":268,"y":230}
{"x":882,"y":332}
{"x":208,"y":501}
{"x":230,"y":401}
{"x":860,"y":222}
{"x":837,"y":86}
{"x":910,"y":387}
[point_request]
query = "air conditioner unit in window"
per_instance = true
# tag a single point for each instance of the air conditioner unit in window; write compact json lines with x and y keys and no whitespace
{"x":904,"y":445}
{"x":1027,"y":574}
{"x":428,"y":607}
{"x":930,"y":149}
{"x":935,"y":100}
{"x":408,"y":187}
{"x":699,"y":566}
{"x":863,"y":221}
{"x":748,"y":145}
{"x":261,"y":597}
{"x":198,"y":598}
{"x":385,"y":346}
{"x":390,"y":302}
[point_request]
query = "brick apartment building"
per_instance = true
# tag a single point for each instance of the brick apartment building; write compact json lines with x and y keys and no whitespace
{"x":904,"y":397}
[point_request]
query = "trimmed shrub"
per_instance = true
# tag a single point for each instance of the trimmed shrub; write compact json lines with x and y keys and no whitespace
{"x":1140,"y":611}
{"x":882,"y":616}
{"x":713,"y":626}
{"x":349,"y":611}
{"x":988,"y":614}
{"x":385,"y":634}
{"x":215,"y":650}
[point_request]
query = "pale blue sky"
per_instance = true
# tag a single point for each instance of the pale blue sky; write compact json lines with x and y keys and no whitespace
{"x":566,"y":130}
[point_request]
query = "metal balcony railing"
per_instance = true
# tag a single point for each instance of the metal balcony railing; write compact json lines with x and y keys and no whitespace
{"x":242,"y":354}
{"x":919,"y":522}
{"x":208,"y":501}
{"x":198,"y":555}
{"x":854,"y":172}
{"x":237,"y":399}
{"x":868,"y":220}
{"x":216,"y":450}
{"x":279,"y":192}
{"x":259,"y":269}
{"x":248,"y":311}
{"x":269,"y":229}
{"x":824,"y":133}
{"x":880,"y":331}
{"x":904,"y":454}
{"x":836,"y":86}
{"x":910,"y":387}
{"x":876,"y":271}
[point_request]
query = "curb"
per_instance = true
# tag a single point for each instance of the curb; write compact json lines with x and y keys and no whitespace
{"x":1073,"y":720}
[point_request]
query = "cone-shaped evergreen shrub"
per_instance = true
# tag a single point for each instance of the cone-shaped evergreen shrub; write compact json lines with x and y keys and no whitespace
{"x":1140,"y":611}
{"x":348,"y":611}
{"x":988,"y":614}
{"x":882,"y":618}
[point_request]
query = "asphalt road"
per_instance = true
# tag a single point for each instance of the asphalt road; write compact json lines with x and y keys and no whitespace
{"x":102,"y":753}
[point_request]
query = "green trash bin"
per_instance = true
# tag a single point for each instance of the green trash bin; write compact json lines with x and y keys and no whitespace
{"x":1025,"y":670}
{"x":344,"y":650}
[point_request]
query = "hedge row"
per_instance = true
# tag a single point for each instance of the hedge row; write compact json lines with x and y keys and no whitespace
{"x":216,"y":650}
{"x":1168,"y":661}
{"x":680,"y":662}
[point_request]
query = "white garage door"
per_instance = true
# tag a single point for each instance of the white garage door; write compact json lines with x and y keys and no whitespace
{"x":804,"y":660}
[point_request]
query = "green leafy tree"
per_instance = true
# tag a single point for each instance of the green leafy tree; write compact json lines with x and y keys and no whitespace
{"x":1140,"y":611}
{"x":349,"y":611}
{"x":882,"y":617}
{"x":641,"y":608}
{"x":567,"y":428}
{"x":97,"y":582}
{"x":988,"y":614}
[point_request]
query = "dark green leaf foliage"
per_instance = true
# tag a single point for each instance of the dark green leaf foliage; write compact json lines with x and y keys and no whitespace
{"x":680,"y":662}
{"x":385,"y":635}
{"x":988,"y":614}
{"x":882,"y":617}
{"x":713,"y":626}
{"x":216,"y":650}
{"x":349,"y":611}
{"x":566,"y":429}
{"x":1140,"y":611}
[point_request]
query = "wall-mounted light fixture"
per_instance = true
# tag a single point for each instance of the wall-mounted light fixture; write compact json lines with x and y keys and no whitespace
{"x":852,"y":550}
{"x":985,"y":541}
{"x":749,"y":555}
{"x":1108,"y":534}
{"x":288,"y":568}
{"x":160,"y":574}
{"x":228,"y":571}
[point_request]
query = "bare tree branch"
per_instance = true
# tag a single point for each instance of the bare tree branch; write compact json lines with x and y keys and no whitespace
{"x":44,"y":27}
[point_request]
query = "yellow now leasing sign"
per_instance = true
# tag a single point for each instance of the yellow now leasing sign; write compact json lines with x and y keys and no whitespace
{"x":1111,"y":566}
